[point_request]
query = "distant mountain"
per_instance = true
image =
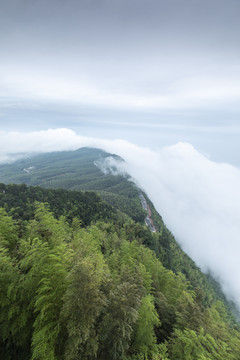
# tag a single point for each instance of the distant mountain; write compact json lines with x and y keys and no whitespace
{"x":73,"y":170}
{"x":76,"y":170}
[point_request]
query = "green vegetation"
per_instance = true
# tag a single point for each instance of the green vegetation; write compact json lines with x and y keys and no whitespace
{"x":75,"y":170}
{"x":18,"y":201}
{"x":94,"y":292}
{"x":88,"y":207}
{"x":82,"y":277}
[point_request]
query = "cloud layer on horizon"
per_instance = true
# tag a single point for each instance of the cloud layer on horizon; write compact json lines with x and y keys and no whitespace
{"x":198,"y":198}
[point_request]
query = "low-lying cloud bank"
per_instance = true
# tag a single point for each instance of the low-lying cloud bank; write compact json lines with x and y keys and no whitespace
{"x":198,"y":199}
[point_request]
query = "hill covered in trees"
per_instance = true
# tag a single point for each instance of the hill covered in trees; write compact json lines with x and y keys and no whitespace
{"x":82,"y":278}
{"x":75,"y":170}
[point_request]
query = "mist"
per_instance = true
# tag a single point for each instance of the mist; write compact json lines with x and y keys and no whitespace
{"x":198,"y":199}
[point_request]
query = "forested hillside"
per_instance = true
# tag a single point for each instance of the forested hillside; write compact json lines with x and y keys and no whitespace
{"x":81,"y":278}
{"x":75,"y":170}
{"x":19,"y":202}
{"x":82,"y":292}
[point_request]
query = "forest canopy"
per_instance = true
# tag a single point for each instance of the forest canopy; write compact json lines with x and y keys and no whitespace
{"x":77,"y":289}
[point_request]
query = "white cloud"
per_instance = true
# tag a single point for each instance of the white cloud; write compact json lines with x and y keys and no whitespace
{"x":198,"y":198}
{"x":111,"y":165}
{"x":177,"y":88}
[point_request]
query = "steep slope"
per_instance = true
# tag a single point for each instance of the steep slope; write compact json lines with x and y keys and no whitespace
{"x":69,"y":290}
{"x":76,"y":170}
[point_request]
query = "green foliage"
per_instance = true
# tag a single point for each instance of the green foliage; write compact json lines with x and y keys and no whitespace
{"x":129,"y":205}
{"x":190,"y":345}
{"x":76,"y":170}
{"x":49,"y":229}
{"x":68,"y":292}
{"x":73,"y":287}
{"x":84,"y":301}
{"x":8,"y":231}
{"x":20,"y":201}
{"x":9,"y":278}
{"x":71,"y":170}
{"x":117,"y":325}
{"x":145,"y":343}
{"x":48,"y":302}
{"x":188,"y":312}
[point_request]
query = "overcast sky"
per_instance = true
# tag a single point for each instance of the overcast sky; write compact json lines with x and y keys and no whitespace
{"x":153,"y":72}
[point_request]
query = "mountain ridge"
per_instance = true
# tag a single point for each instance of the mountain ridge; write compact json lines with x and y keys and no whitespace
{"x":57,"y":169}
{"x":185,"y":306}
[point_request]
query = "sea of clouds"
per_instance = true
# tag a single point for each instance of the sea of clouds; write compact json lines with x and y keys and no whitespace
{"x":198,"y":199}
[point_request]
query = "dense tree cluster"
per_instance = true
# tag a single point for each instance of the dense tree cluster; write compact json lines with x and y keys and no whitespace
{"x":87,"y":206}
{"x":18,"y":201}
{"x":96,"y":292}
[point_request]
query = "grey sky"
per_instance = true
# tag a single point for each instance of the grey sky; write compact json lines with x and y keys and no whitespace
{"x":128,"y":67}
